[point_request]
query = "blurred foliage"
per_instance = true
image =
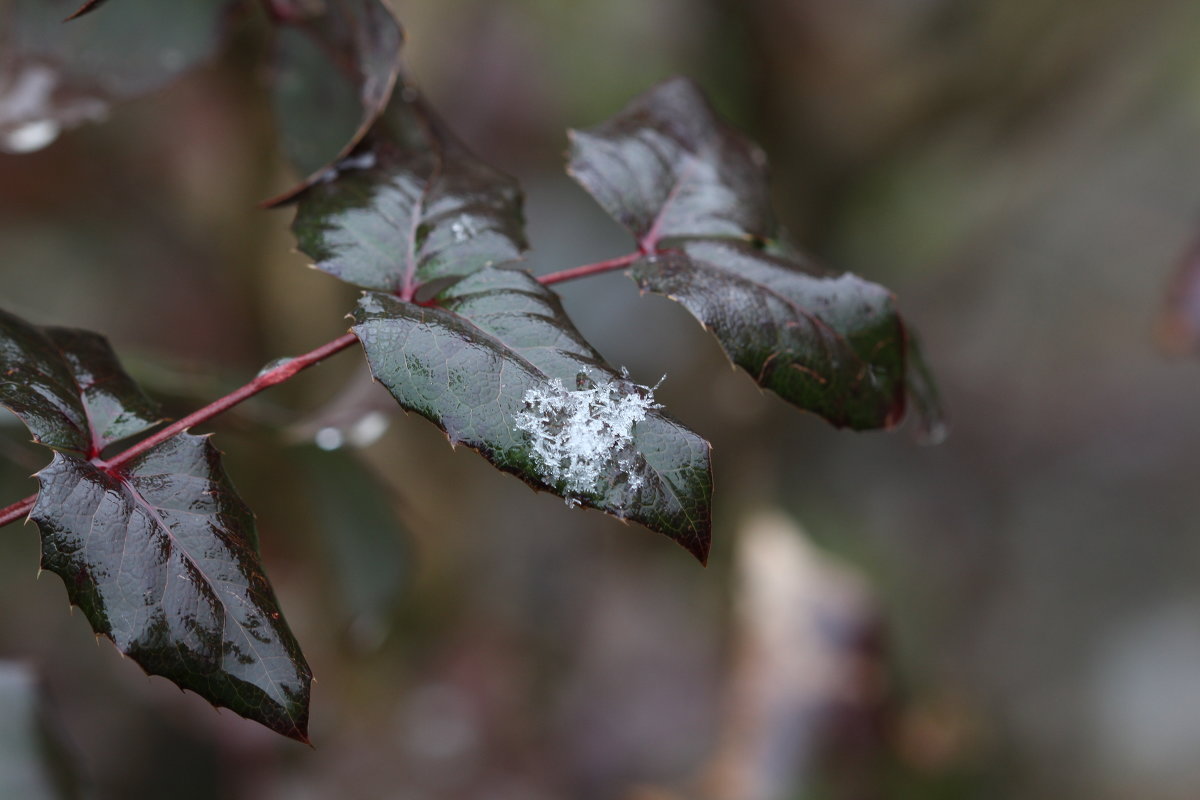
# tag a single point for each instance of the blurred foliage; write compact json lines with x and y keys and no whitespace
{"x":1023,"y":175}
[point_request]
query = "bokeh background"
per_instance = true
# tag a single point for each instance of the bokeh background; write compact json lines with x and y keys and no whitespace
{"x":1014,"y":613}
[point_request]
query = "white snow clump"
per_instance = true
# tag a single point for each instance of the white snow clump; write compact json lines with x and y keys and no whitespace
{"x":579,"y":436}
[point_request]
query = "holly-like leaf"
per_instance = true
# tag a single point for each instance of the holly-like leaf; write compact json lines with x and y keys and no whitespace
{"x":409,"y":206}
{"x":55,"y":76}
{"x":694,"y":193}
{"x":499,"y":367}
{"x":68,"y":387}
{"x":158,"y":551}
{"x":335,"y":73}
{"x":161,"y":556}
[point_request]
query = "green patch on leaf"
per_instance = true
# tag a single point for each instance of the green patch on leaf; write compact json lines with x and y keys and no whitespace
{"x":409,"y":206}
{"x":499,"y":352}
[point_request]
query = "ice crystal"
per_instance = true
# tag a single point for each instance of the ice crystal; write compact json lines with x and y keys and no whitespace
{"x":580,"y":437}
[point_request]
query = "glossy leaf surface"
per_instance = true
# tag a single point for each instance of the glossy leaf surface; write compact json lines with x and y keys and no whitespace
{"x":68,"y":387}
{"x":409,"y":206}
{"x":694,"y":192}
{"x":831,"y":345}
{"x":335,"y":73}
{"x":666,"y":167}
{"x":470,"y":366}
{"x":159,"y":552}
{"x":54,"y":76}
{"x":161,"y":556}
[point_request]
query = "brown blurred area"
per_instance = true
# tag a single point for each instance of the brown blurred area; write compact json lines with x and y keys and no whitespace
{"x":1015,"y":613}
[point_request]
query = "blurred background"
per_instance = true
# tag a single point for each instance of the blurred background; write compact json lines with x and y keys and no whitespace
{"x":1014,"y":613}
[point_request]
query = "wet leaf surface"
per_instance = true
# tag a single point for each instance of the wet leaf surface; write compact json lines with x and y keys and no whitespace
{"x":694,"y":193}
{"x":161,"y":556}
{"x":55,"y":76}
{"x":68,"y":387}
{"x":831,"y":345}
{"x":411,"y":205}
{"x":334,"y":75}
{"x":471,"y":365}
{"x":160,"y":553}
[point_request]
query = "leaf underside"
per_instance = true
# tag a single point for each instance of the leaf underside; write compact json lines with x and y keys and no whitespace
{"x":469,"y":366}
{"x":694,"y":193}
{"x":159,"y":553}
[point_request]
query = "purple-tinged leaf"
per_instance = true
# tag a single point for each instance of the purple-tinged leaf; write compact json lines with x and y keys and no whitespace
{"x":161,"y":556}
{"x":159,"y":552}
{"x":694,"y":193}
{"x":831,"y":345}
{"x":335,"y":73}
{"x":411,"y":205}
{"x":55,"y":76}
{"x":497,"y":367}
{"x":68,"y":387}
{"x":666,"y":167}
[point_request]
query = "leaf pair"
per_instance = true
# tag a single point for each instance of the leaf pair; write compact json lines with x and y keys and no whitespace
{"x":159,"y":551}
{"x":459,"y":334}
{"x":694,"y":193}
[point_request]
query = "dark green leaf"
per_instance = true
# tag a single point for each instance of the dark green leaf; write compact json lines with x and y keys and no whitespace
{"x":479,"y":364}
{"x":54,"y":76}
{"x":409,"y":206}
{"x":68,"y":387}
{"x":161,"y":556}
{"x":694,"y":192}
{"x":335,"y":74}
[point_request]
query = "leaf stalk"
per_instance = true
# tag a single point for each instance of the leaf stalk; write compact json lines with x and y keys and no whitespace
{"x":281,"y":372}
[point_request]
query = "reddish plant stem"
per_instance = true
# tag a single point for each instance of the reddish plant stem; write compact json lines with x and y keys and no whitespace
{"x":590,"y":269}
{"x":285,"y":371}
{"x":16,"y":511}
{"x":265,"y":379}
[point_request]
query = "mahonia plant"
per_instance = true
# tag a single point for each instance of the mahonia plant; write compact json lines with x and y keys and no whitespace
{"x":137,"y":515}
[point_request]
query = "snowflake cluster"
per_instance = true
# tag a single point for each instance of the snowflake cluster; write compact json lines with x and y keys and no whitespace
{"x":580,"y":436}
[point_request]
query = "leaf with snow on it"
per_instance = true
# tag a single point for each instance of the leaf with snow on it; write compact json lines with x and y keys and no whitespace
{"x":578,"y":437}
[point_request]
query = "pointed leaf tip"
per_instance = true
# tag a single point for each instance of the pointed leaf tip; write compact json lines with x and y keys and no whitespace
{"x":161,"y":557}
{"x":500,"y":368}
{"x":693,"y":192}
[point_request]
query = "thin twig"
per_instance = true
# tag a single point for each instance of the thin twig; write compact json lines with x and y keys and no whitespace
{"x":265,"y":379}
